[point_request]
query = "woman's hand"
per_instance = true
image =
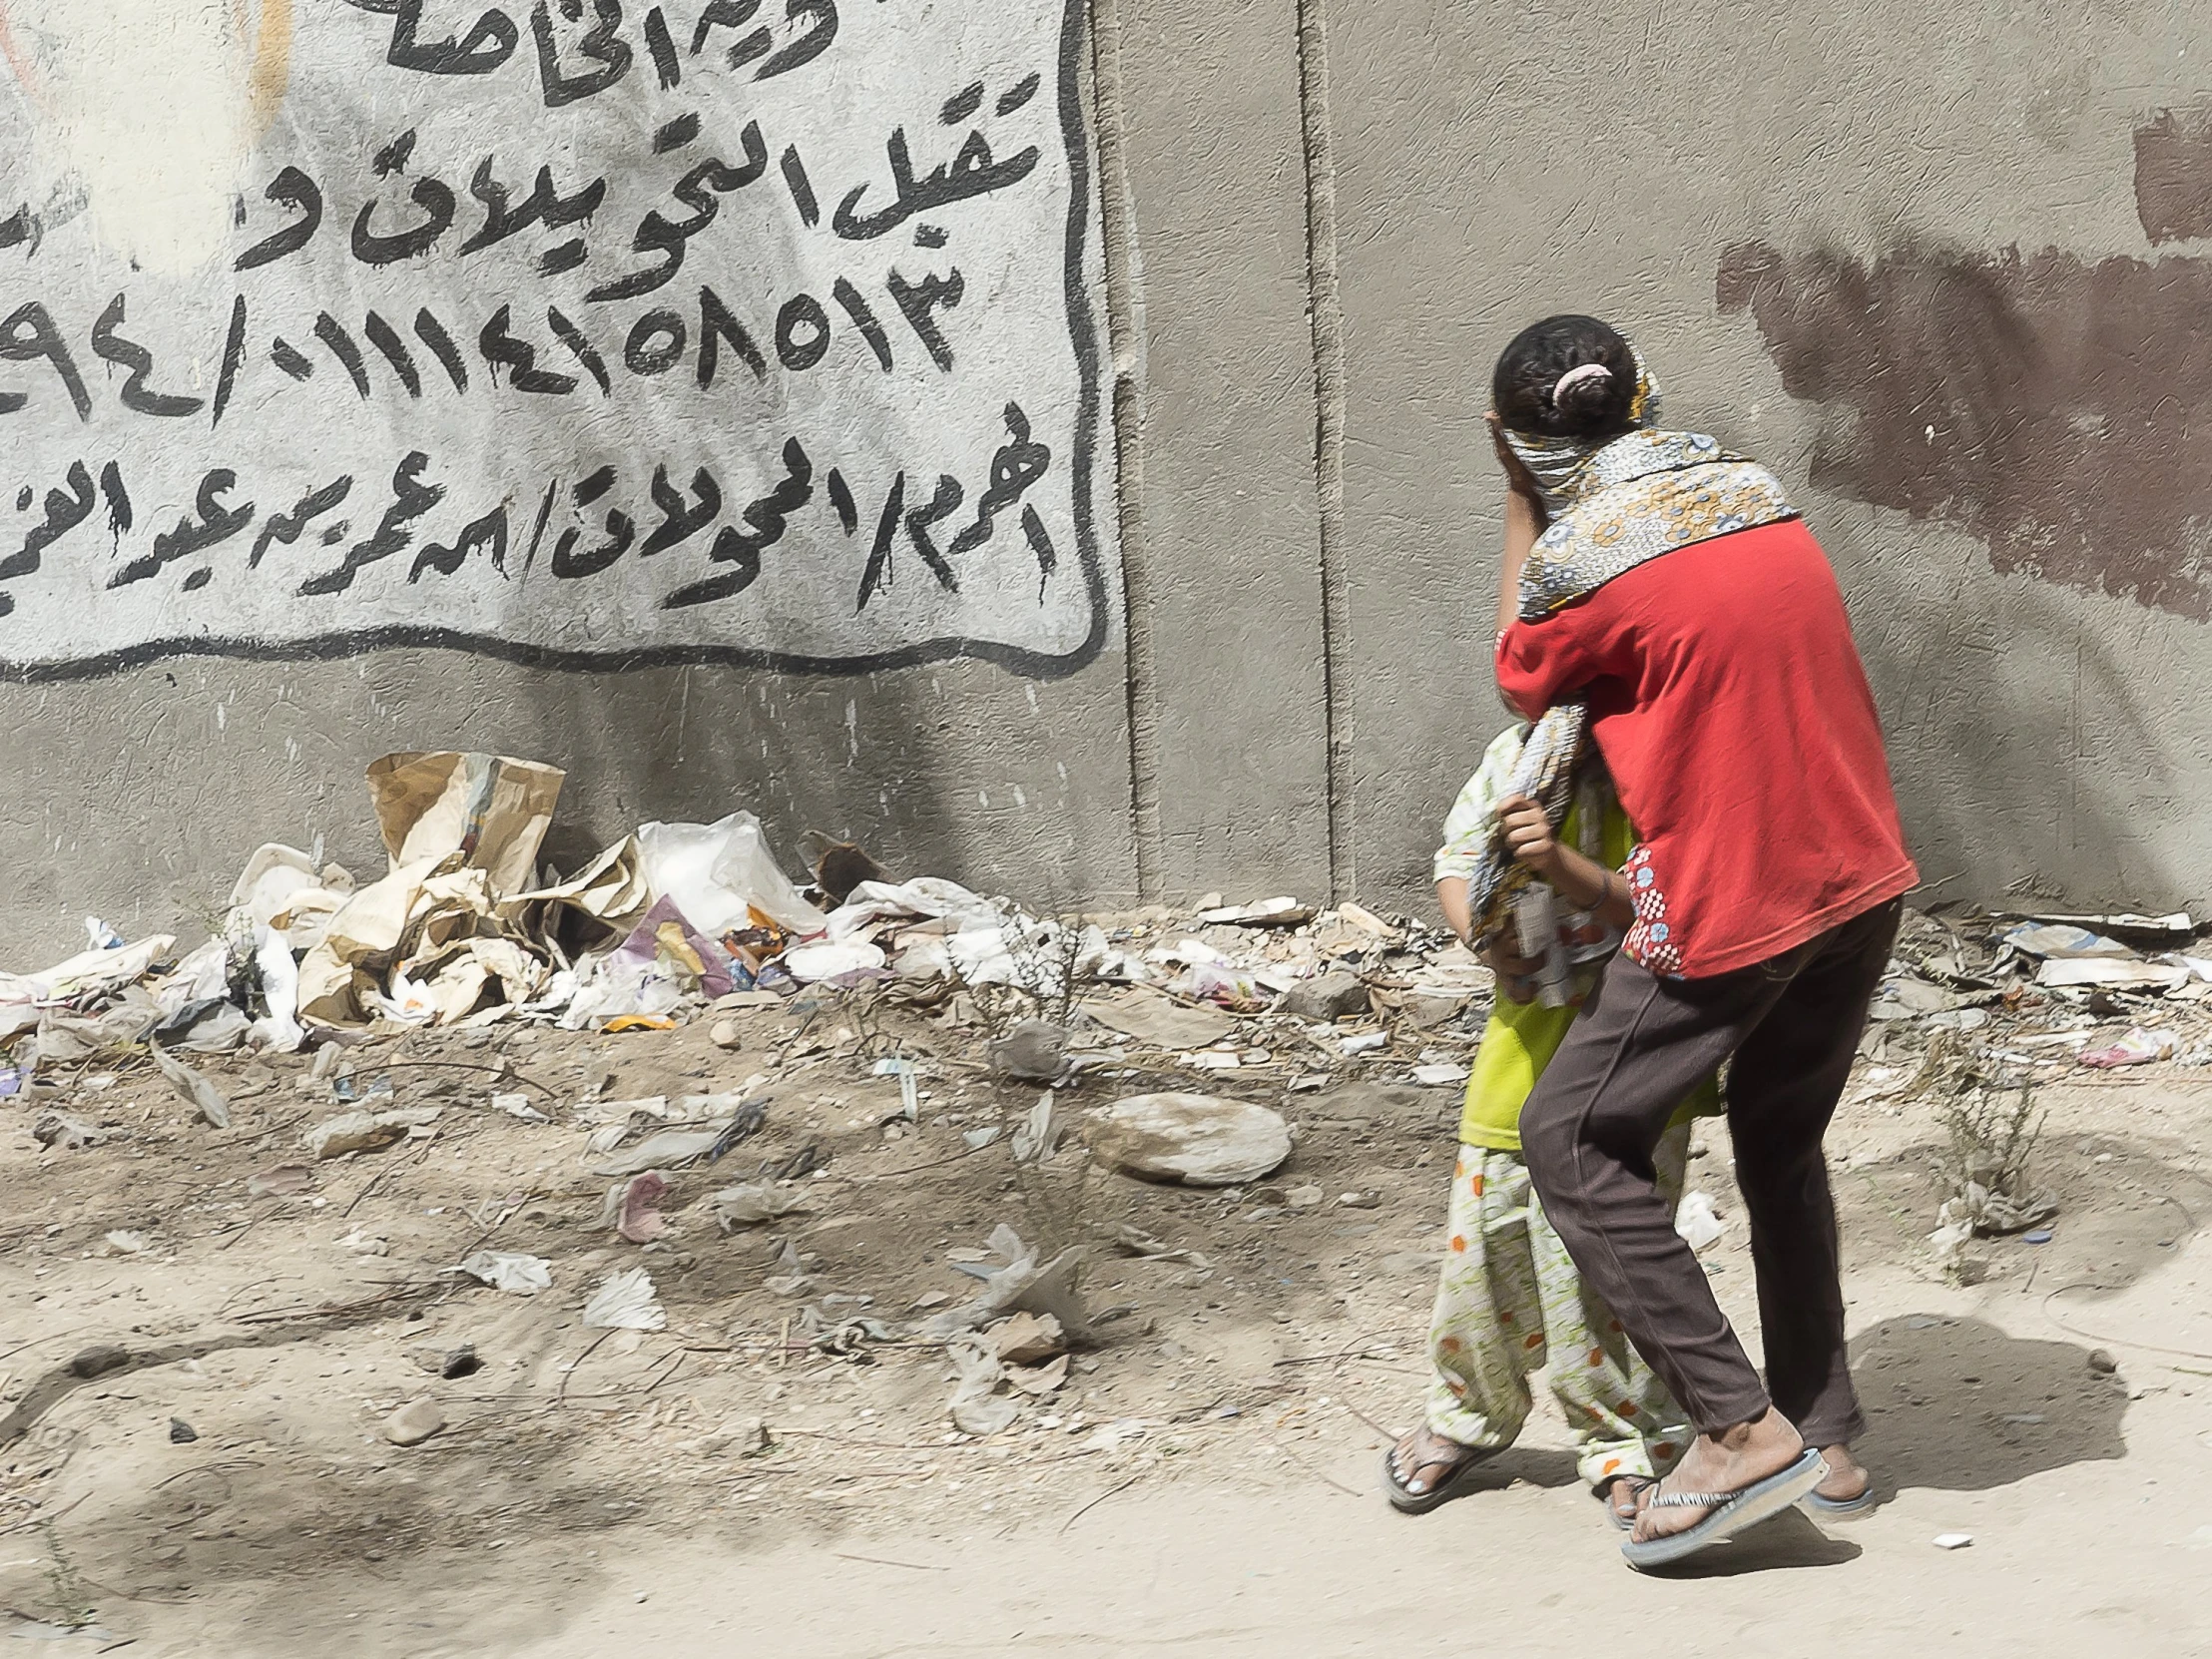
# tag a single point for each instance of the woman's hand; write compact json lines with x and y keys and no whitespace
{"x":1517,"y":476}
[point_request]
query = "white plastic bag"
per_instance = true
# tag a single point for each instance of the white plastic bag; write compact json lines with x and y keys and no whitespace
{"x":713,"y":872}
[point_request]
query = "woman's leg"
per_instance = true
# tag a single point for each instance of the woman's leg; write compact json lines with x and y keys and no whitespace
{"x":1486,"y":1331}
{"x":1781,"y":1092}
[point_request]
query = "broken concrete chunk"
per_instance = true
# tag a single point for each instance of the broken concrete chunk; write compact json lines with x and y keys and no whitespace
{"x":413,"y":1423}
{"x":1032,"y":1052}
{"x":366,"y":1131}
{"x":1204,"y":1140}
{"x":1327,"y":996}
{"x":206,"y":1098}
{"x":1027,"y":1339}
{"x":1038,"y":1381}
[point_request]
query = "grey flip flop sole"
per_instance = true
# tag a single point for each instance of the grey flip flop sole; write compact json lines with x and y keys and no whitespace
{"x":1840,"y":1506}
{"x":1444,"y":1490}
{"x":1733,"y":1512}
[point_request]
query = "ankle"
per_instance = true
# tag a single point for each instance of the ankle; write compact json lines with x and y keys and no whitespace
{"x":1769,"y":1428}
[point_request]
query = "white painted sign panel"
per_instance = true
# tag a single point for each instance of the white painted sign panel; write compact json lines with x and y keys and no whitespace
{"x":581,"y":332}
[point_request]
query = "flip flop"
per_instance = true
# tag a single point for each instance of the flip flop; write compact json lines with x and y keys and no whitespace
{"x":1733,"y":1512}
{"x":1843,"y":1505}
{"x":1621,"y":1522}
{"x":1444,"y":1490}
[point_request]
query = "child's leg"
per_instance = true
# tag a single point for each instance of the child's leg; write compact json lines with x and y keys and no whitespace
{"x":1624,"y":1420}
{"x":1487,"y":1331}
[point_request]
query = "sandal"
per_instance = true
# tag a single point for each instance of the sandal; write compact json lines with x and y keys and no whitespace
{"x":1733,"y":1512}
{"x":1838,"y":1506}
{"x":1637,"y":1486}
{"x":1409,"y":1503}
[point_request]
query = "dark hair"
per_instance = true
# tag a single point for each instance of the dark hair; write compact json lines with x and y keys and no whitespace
{"x":1595,"y":406}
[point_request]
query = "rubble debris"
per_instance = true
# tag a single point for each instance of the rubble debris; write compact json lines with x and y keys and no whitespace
{"x":1696,"y":1221}
{"x":2137,"y":1047}
{"x":1038,"y":1381}
{"x":511,"y":1270}
{"x":626,"y":1302}
{"x":68,"y":1133}
{"x":364,"y":1131}
{"x":182,"y":1433}
{"x":285,"y":1181}
{"x":1032,"y":1051}
{"x":1039,"y":1135}
{"x":1201,"y":1140}
{"x":630,"y":1207}
{"x":1326,"y":998}
{"x":976,"y":1405}
{"x":413,"y":1422}
{"x":670,"y":1149}
{"x":749,"y":1204}
{"x":204,"y":1095}
{"x":1027,"y":1339}
{"x":1020,"y":1286}
{"x":1283,"y":912}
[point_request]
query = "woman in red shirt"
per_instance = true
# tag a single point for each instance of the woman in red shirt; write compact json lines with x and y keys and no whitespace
{"x":1662,"y":601}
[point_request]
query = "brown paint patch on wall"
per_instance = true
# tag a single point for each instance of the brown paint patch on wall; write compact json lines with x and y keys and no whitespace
{"x":2049,"y":406}
{"x":2173,"y":175}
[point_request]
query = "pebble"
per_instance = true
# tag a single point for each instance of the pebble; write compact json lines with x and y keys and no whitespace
{"x":726,"y":1034}
{"x":2101,"y":1362}
{"x":413,"y":1422}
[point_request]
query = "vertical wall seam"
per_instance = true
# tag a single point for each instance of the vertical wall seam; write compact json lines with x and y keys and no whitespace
{"x":1125,"y":336}
{"x":1324,"y":314}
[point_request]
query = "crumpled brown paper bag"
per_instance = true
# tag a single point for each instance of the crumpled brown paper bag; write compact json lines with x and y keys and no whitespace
{"x":491,"y":809}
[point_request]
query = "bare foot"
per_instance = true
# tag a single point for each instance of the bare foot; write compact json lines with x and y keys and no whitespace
{"x":1725,"y":1462}
{"x":1624,"y":1496}
{"x":1424,"y":1457}
{"x":1847,"y":1477}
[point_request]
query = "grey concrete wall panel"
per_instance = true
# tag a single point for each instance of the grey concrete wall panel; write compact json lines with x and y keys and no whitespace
{"x":1941,"y":267}
{"x":1215,"y":159}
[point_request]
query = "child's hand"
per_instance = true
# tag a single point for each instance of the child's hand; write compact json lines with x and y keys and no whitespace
{"x":1516,"y":975}
{"x":1528,"y":837}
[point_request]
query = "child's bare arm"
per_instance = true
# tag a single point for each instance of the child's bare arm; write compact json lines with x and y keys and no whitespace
{"x":1451,"y":899}
{"x":1581,"y":881}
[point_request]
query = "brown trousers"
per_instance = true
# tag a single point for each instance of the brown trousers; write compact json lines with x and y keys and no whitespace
{"x":1591,"y":1124}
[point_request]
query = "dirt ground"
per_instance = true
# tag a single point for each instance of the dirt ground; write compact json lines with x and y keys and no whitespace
{"x":1204,"y":1483}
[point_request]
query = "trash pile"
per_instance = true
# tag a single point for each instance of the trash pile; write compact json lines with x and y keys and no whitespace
{"x":466,"y":928}
{"x":2042,"y":991}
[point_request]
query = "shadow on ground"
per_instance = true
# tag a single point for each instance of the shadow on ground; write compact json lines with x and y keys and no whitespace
{"x":1958,"y":1405}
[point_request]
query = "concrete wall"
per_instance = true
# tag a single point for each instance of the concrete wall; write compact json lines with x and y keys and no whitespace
{"x":1942,"y":269}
